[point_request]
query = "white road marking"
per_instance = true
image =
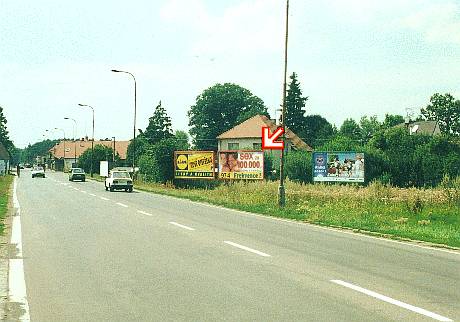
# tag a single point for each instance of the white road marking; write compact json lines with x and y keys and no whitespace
{"x":144,"y":213}
{"x":104,"y":198}
{"x":122,"y":204}
{"x":247,"y":248}
{"x":338,"y":230}
{"x":16,"y":281}
{"x":181,"y":226}
{"x":82,"y":191}
{"x":17,"y":287}
{"x":16,"y":234}
{"x":92,"y":194}
{"x":76,"y":189}
{"x":392,"y":301}
{"x":15,"y":197}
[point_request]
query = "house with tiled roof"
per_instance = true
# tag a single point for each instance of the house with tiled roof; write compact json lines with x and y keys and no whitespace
{"x":248,"y":135}
{"x":4,"y":160}
{"x":422,"y":127}
{"x":66,"y":153}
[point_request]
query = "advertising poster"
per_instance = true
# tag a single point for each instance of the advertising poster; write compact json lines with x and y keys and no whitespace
{"x":338,"y":167}
{"x":194,"y":164}
{"x":235,"y":165}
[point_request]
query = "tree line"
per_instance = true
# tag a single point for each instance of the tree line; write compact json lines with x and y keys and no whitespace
{"x":392,"y":154}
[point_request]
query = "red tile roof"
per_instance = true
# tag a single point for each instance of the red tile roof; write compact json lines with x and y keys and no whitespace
{"x":252,"y":128}
{"x":121,"y":147}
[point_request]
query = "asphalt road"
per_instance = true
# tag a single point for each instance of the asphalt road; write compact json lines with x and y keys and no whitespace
{"x":93,"y":255}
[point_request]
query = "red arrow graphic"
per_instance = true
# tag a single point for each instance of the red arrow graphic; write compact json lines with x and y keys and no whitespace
{"x":268,"y":141}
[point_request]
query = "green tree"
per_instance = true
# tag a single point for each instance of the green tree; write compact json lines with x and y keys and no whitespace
{"x":341,"y":143}
{"x":4,"y":135}
{"x":141,"y":145}
{"x":218,"y":109}
{"x":317,"y":130}
{"x":32,"y":151}
{"x":159,"y":127}
{"x":444,"y":109}
{"x":351,"y":129}
{"x":369,"y":126}
{"x":156,"y":164}
{"x":182,"y":140}
{"x":101,"y":153}
{"x":392,"y":120}
{"x":295,"y":107}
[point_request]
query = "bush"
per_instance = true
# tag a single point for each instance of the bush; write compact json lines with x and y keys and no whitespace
{"x":299,"y":167}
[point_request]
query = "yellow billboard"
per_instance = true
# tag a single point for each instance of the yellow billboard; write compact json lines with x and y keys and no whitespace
{"x":194,"y":164}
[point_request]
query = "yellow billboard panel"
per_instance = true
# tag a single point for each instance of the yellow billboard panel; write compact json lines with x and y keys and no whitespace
{"x":194,"y":164}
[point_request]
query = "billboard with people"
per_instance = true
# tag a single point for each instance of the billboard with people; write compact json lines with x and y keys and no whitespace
{"x":338,"y":167}
{"x":241,"y":165}
{"x":194,"y":165}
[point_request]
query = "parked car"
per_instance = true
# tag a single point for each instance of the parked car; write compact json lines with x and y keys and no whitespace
{"x":119,"y":180}
{"x":38,"y":172}
{"x":77,"y":174}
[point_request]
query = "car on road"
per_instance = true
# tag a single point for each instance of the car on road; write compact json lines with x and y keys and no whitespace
{"x":38,"y":172}
{"x":77,"y":174}
{"x":119,"y":180}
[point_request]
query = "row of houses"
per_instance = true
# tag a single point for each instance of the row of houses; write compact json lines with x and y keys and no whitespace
{"x":65,"y":154}
{"x":244,"y":136}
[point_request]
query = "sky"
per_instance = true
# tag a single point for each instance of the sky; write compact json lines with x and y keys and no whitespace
{"x":353,"y":58}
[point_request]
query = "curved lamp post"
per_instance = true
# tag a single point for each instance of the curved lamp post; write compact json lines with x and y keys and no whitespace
{"x":75,"y":142}
{"x":135,"y":99}
{"x":63,"y":168}
{"x":92,"y":142}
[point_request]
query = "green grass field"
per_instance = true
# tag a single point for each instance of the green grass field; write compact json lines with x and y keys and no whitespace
{"x":431,"y":215}
{"x":5,"y":184}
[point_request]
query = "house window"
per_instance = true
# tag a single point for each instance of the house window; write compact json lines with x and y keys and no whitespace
{"x":257,"y":146}
{"x":233,"y":146}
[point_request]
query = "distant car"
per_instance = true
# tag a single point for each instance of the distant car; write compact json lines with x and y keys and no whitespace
{"x":119,"y":180}
{"x":38,"y":172}
{"x":77,"y":174}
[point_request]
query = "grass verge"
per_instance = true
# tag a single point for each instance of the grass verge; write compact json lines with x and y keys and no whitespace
{"x":430,"y":215}
{"x":5,"y":184}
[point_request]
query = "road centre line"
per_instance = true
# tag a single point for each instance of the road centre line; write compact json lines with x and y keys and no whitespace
{"x":392,"y":301}
{"x":104,"y":198}
{"x":181,"y":226}
{"x":82,"y":191}
{"x":144,"y":213}
{"x":92,"y":194}
{"x":338,"y":230}
{"x":122,"y":204}
{"x":247,"y":248}
{"x":76,"y":189}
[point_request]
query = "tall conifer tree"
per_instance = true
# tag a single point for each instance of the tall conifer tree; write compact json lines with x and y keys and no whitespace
{"x":159,"y":127}
{"x":295,"y":106}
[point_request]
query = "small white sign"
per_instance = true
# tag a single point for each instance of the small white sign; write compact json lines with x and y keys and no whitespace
{"x":104,"y":169}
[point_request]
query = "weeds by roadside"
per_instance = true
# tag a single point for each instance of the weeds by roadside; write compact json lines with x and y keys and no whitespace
{"x":431,"y":215}
{"x":5,"y":184}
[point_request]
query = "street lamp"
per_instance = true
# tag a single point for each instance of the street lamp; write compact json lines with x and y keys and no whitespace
{"x":281,"y":189}
{"x":113,"y":148}
{"x":134,"y":132}
{"x":74,"y":141}
{"x":63,"y":168}
{"x":92,"y":142}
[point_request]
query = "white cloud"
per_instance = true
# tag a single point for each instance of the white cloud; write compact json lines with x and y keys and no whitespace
{"x":437,"y":22}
